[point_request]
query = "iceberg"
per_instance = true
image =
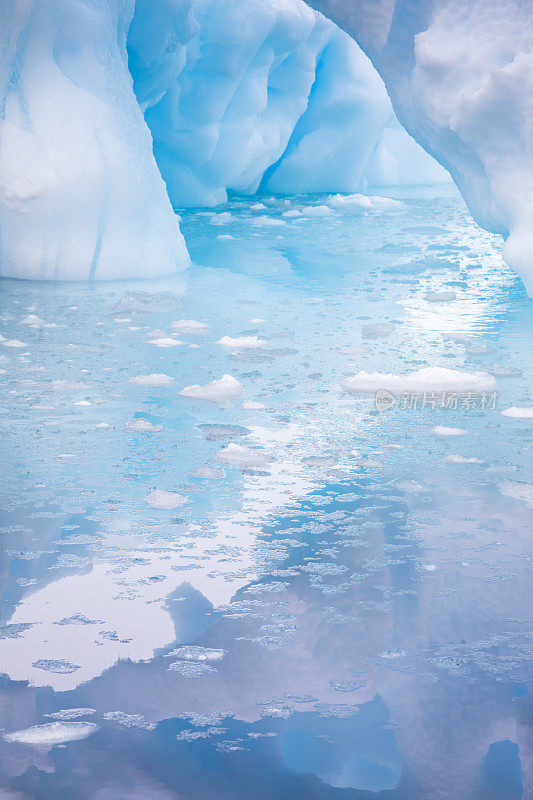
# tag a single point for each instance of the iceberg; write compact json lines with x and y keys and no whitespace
{"x":460,"y":77}
{"x":77,"y":170}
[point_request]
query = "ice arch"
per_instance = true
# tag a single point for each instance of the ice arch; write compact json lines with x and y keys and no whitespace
{"x":460,"y":76}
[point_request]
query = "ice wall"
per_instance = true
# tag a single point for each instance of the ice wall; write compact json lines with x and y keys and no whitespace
{"x":460,"y":76}
{"x":80,"y":192}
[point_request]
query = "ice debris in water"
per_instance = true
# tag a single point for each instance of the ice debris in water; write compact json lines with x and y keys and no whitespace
{"x":13,"y":631}
{"x":71,"y":713}
{"x":252,"y":405}
{"x":360,"y":203}
{"x":190,"y":669}
{"x":165,"y":341}
{"x":139,"y":302}
{"x":442,"y":430}
{"x":142,"y":426}
{"x":59,"y":666}
{"x":197,"y":653}
{"x":160,"y":498}
{"x":458,"y":459}
{"x":518,"y":413}
{"x":154,"y":379}
{"x":130,"y":720}
{"x":428,"y":379}
{"x":440,"y":297}
{"x":52,"y":733}
{"x":242,"y":341}
{"x":240,"y":456}
{"x":376,"y":330}
{"x":218,"y":391}
{"x":189,"y":327}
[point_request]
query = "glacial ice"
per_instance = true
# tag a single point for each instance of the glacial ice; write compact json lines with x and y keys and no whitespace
{"x":80,"y":193}
{"x":460,"y":77}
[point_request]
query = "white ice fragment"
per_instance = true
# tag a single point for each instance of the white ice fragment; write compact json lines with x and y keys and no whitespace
{"x":189,"y":327}
{"x":160,"y":498}
{"x":518,"y":413}
{"x":153,"y":379}
{"x":457,"y":459}
{"x":316,"y":211}
{"x":442,"y":430}
{"x":241,"y":456}
{"x":359,"y":203}
{"x":440,"y":297}
{"x":218,"y":391}
{"x":428,"y":379}
{"x":165,"y":341}
{"x":14,"y":343}
{"x":52,"y":733}
{"x":263,"y":219}
{"x":142,"y":426}
{"x":242,"y":342}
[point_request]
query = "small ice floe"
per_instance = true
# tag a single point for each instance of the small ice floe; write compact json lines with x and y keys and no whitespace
{"x":130,"y":720}
{"x":221,"y":218}
{"x":242,"y":341}
{"x":428,"y":379}
{"x":317,"y":211}
{"x":239,"y":456}
{"x":377,"y":330}
{"x":190,"y":669}
{"x":83,"y":403}
{"x":503,"y":372}
{"x":359,"y":203}
{"x":225,"y":237}
{"x":142,"y":426}
{"x":292,"y":212}
{"x":14,"y":343}
{"x":71,"y":713}
{"x":189,"y":327}
{"x":442,"y":430}
{"x":58,"y":666}
{"x":479,"y":350}
{"x":518,"y":491}
{"x":252,"y":405}
{"x":263,"y":219}
{"x":258,"y":207}
{"x":153,"y":379}
{"x":456,"y":459}
{"x":518,"y":413}
{"x":36,"y":322}
{"x":218,"y":391}
{"x":197,"y":653}
{"x":320,"y":462}
{"x":52,"y":733}
{"x":165,"y":341}
{"x":160,"y":498}
{"x":440,"y":297}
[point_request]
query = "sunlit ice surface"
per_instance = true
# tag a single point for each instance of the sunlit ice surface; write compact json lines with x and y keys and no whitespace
{"x":281,"y":588}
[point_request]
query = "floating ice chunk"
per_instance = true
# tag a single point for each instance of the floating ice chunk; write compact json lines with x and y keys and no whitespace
{"x":154,"y":379}
{"x":316,"y":211}
{"x":359,"y":203}
{"x":263,"y":219}
{"x":518,"y":413}
{"x":71,"y":713}
{"x":197,"y":653}
{"x":52,"y":733}
{"x":456,"y":459}
{"x":428,"y":379}
{"x":165,"y":341}
{"x":240,"y":456}
{"x":440,"y":297}
{"x":252,"y":405}
{"x":142,"y":426}
{"x":242,"y":341}
{"x":292,"y":212}
{"x":442,"y":430}
{"x":221,"y":391}
{"x":518,"y":491}
{"x":14,"y":343}
{"x":83,"y":403}
{"x":189,"y":327}
{"x":59,"y":666}
{"x":160,"y":498}
{"x":220,"y":219}
{"x":130,"y":720}
{"x":190,"y":669}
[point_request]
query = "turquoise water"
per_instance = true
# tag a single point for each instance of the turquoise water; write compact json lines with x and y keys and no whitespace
{"x":332,"y":600}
